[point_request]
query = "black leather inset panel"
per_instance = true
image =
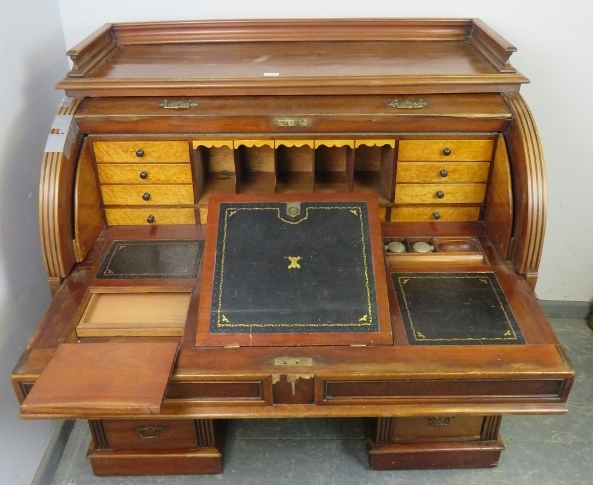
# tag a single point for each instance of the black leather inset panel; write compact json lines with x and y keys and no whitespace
{"x":151,"y":259}
{"x":309,"y":272}
{"x":455,"y":309}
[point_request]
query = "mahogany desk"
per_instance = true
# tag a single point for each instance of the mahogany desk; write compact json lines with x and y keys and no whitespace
{"x":418,"y":123}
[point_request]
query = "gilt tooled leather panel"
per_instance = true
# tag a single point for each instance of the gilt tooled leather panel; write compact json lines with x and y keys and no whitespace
{"x":305,"y":273}
{"x":455,"y":309}
{"x":151,"y":259}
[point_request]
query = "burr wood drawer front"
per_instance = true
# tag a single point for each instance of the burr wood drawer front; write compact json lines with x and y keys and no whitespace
{"x":144,"y":173}
{"x":150,"y":215}
{"x":429,"y":213}
{"x":147,"y":194}
{"x":141,"y":151}
{"x":436,"y":428}
{"x":153,"y":434}
{"x":439,"y":194}
{"x":442,"y":172}
{"x":445,"y":150}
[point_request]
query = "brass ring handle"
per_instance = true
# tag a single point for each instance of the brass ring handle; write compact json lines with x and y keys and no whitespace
{"x":146,"y":195}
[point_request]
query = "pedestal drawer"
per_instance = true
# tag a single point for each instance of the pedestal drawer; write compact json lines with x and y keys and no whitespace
{"x":436,"y":428}
{"x":147,"y":194}
{"x":145,"y":151}
{"x":143,"y":174}
{"x":445,"y":150}
{"x":439,"y":194}
{"x":153,"y":434}
{"x":150,"y":215}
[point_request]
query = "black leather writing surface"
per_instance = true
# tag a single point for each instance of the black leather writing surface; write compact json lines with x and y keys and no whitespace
{"x":455,"y":309}
{"x":311,"y":271}
{"x":151,"y":259}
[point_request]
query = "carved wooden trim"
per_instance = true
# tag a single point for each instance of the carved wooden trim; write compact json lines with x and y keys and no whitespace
{"x":98,"y":434}
{"x":384,"y":430}
{"x":55,"y":219}
{"x":490,"y":428}
{"x":205,"y":432}
{"x":88,"y":53}
{"x":529,"y":177}
{"x":492,"y":46}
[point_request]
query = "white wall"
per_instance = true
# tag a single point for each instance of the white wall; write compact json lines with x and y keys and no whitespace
{"x":555,"y":45}
{"x":32,"y":62}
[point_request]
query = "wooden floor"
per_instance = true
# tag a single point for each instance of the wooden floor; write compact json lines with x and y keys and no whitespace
{"x":543,"y":450}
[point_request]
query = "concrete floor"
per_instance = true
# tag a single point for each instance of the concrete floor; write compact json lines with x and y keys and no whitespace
{"x":540,"y":450}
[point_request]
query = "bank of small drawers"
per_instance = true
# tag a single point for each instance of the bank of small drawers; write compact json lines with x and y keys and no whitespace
{"x":145,"y":182}
{"x":441,"y":180}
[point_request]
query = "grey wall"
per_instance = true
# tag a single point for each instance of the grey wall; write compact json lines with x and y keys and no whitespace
{"x":32,"y":59}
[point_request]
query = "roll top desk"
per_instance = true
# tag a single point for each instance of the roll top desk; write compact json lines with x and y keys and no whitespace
{"x":188,"y":153}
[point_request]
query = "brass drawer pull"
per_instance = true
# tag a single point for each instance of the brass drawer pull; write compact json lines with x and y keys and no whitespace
{"x":440,"y":194}
{"x":139,"y":152}
{"x":446,"y":151}
{"x":436,"y":216}
{"x":143,"y":175}
{"x":443,"y":172}
{"x":150,"y":219}
{"x":439,"y":420}
{"x":149,"y":431}
{"x":146,"y":195}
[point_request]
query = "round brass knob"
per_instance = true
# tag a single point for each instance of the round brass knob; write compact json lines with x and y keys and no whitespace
{"x":146,"y":196}
{"x":436,"y":216}
{"x":139,"y":152}
{"x":443,"y":172}
{"x":440,"y":194}
{"x":143,"y":175}
{"x":150,"y":219}
{"x":446,"y":152}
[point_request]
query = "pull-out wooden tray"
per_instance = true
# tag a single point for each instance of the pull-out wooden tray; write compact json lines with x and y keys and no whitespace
{"x":103,"y":378}
{"x":154,"y":314}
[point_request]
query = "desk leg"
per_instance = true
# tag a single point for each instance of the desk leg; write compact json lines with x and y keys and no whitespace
{"x":433,"y":442}
{"x":156,"y":447}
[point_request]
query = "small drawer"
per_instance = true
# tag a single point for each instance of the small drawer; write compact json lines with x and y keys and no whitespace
{"x":144,"y":151}
{"x":442,"y":172}
{"x":135,"y":217}
{"x":434,"y":214}
{"x":445,"y":150}
{"x":436,"y":428}
{"x":439,"y":194}
{"x":115,"y":173}
{"x":147,"y":194}
{"x":150,"y":434}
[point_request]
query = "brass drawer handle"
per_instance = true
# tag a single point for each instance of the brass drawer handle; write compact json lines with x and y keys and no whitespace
{"x":439,"y":420}
{"x":139,"y":152}
{"x":143,"y":175}
{"x":150,"y":219}
{"x":146,"y":195}
{"x":436,"y":216}
{"x":443,"y":172}
{"x":446,"y":151}
{"x":149,"y":431}
{"x":440,"y":194}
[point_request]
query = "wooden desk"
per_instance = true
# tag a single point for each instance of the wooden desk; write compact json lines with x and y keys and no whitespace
{"x":420,"y":119}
